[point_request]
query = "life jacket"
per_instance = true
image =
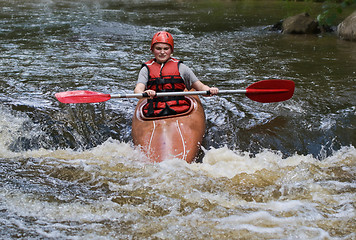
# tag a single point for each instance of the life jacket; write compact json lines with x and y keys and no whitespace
{"x":165,"y":78}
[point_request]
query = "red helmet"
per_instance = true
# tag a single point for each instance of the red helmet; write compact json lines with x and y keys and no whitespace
{"x":163,"y":37}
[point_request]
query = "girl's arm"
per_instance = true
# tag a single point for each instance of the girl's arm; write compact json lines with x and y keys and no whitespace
{"x":199,"y":86}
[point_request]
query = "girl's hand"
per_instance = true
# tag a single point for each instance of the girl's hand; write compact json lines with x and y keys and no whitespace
{"x":150,"y":93}
{"x":213,"y":90}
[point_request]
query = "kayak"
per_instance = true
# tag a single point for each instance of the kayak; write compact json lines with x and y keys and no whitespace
{"x":167,"y":137}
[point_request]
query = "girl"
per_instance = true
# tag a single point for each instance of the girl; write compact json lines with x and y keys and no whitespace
{"x":166,"y":74}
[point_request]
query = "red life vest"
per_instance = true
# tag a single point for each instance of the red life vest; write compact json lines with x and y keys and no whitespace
{"x":165,"y":78}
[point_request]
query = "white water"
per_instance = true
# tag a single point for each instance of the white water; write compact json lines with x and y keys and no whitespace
{"x":111,"y":191}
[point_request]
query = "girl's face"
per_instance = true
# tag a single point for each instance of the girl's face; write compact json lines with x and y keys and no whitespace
{"x":162,"y":52}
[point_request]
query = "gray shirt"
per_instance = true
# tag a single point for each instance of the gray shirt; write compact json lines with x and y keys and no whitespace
{"x":185,"y":72}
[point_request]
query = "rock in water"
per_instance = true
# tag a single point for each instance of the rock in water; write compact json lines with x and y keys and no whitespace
{"x":347,"y":29}
{"x":300,"y":24}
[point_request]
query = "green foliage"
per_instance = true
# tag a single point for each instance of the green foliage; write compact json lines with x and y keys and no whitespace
{"x":331,"y":9}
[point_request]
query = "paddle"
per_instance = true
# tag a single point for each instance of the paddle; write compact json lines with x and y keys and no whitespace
{"x":265,"y":91}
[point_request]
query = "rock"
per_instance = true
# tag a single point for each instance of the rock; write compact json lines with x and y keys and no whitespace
{"x":300,"y":24}
{"x":347,"y":29}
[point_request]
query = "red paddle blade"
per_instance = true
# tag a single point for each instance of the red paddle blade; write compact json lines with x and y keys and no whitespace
{"x":82,"y":96}
{"x":272,"y":90}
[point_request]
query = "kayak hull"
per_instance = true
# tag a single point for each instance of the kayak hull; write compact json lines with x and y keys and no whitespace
{"x":176,"y":136}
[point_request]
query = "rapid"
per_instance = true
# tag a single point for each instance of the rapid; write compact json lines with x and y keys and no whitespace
{"x":266,"y":171}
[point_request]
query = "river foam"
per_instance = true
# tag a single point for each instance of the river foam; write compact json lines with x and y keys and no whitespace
{"x":112,"y":189}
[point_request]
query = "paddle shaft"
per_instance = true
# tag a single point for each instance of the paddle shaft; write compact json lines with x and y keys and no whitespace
{"x":171,"y":94}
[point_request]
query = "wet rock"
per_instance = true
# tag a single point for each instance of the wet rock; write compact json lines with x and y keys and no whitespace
{"x":347,"y":29}
{"x":300,"y":24}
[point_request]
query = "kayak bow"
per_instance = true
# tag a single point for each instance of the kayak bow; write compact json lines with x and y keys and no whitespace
{"x":168,"y":137}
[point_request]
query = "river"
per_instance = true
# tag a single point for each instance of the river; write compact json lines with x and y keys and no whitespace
{"x":266,"y":171}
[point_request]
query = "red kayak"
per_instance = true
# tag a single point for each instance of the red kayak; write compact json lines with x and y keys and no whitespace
{"x":175,"y":136}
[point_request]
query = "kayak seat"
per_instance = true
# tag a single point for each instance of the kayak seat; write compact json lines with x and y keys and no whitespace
{"x":167,"y":112}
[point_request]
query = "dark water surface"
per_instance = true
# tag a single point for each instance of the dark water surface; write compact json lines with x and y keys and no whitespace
{"x":276,"y":171}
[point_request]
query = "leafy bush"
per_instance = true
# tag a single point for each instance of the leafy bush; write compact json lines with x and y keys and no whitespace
{"x":331,"y":9}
